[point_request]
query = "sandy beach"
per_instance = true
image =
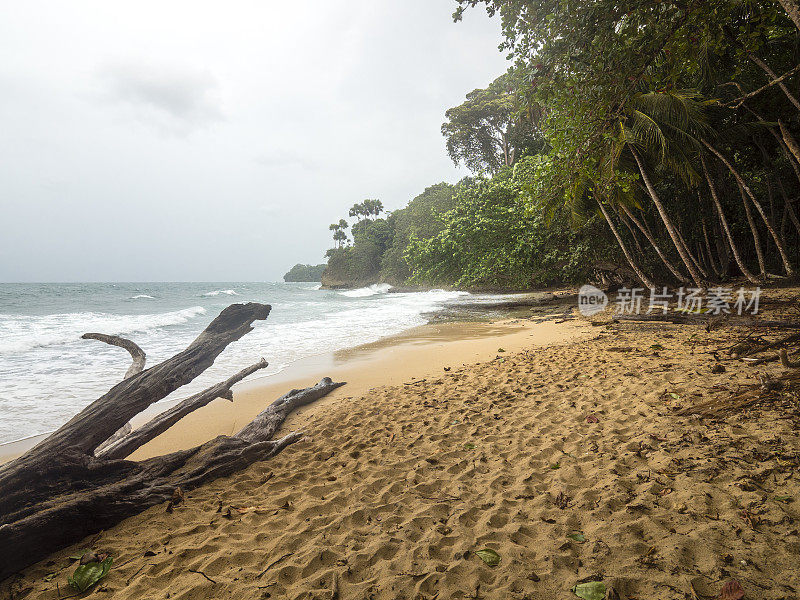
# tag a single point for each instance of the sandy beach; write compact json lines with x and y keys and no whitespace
{"x":555,"y":444}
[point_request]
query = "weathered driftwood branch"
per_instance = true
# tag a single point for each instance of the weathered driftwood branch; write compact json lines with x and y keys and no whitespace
{"x":668,"y":318}
{"x":137,"y":366}
{"x":137,"y":354}
{"x":270,"y":419}
{"x":60,"y":491}
{"x":120,"y":404}
{"x":761,"y":348}
{"x":704,"y":319}
{"x":125,"y":446}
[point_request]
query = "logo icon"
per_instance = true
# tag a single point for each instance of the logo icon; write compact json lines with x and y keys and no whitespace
{"x":591,"y":300}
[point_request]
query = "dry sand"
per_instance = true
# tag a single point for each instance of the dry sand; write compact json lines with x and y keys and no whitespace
{"x":397,"y":485}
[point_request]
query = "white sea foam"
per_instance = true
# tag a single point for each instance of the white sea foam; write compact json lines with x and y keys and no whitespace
{"x":138,"y":296}
{"x":20,"y":333}
{"x":47,"y":373}
{"x":221,"y":292}
{"x":373,"y":290}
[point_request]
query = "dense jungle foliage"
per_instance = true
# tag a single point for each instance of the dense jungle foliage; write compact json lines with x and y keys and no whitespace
{"x":647,"y":141}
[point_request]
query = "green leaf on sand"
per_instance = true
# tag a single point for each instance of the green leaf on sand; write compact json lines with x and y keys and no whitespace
{"x":675,"y":396}
{"x":555,"y":466}
{"x":657,"y":347}
{"x":489,"y":556}
{"x":469,"y":446}
{"x":85,"y":576}
{"x":783,"y":498}
{"x":592,"y":590}
{"x":578,"y":537}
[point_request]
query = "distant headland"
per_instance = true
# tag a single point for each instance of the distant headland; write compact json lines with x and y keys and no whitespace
{"x":305,"y":273}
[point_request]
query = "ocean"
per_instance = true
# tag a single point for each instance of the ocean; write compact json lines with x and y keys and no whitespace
{"x":48,"y":374}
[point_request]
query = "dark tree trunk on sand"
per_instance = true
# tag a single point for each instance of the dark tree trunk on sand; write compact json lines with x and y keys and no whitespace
{"x":60,"y":492}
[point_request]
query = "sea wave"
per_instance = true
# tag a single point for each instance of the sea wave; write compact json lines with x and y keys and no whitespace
{"x":221,"y":292}
{"x":372,"y":290}
{"x":136,"y":297}
{"x":23,"y":333}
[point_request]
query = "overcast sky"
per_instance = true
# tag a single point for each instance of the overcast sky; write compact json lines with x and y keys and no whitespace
{"x":215,"y":141}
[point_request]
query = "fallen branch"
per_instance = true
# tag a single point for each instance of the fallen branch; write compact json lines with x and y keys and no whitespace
{"x":137,"y":354}
{"x":159,"y":424}
{"x":138,"y":358}
{"x":704,"y":319}
{"x":667,"y":318}
{"x":60,"y":492}
{"x":769,"y":346}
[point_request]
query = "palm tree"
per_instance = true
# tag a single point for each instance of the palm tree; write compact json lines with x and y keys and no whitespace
{"x":721,"y":214}
{"x":339,"y":234}
{"x":584,"y":197}
{"x":647,"y":234}
{"x":661,"y":124}
{"x":358,"y":211}
{"x":748,"y":193}
{"x":643,"y":277}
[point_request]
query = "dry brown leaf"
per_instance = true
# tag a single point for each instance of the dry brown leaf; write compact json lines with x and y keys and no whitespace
{"x":731,"y":591}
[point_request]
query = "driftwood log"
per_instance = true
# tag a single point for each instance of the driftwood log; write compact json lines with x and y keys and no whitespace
{"x":65,"y":488}
{"x":705,"y":319}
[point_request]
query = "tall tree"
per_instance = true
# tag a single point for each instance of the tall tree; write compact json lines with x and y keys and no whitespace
{"x":491,"y":128}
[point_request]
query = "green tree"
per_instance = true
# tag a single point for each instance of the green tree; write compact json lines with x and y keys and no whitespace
{"x":490,"y":130}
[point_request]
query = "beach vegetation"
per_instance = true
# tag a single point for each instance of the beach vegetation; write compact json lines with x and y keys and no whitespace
{"x":645,"y":143}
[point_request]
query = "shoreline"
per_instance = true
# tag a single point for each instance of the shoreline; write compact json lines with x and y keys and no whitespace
{"x":465,"y":337}
{"x":408,"y":357}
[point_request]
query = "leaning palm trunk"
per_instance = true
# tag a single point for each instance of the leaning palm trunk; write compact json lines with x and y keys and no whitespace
{"x":631,"y":261}
{"x":781,"y":249}
{"x":691,"y":256}
{"x":792,"y":157}
{"x":762,"y":265}
{"x":673,"y":232}
{"x":711,"y":261}
{"x":672,"y":268}
{"x":736,"y":254}
{"x":621,"y":217}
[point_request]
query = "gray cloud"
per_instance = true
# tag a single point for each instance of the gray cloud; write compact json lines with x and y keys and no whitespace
{"x":135,"y":132}
{"x":172,"y":99}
